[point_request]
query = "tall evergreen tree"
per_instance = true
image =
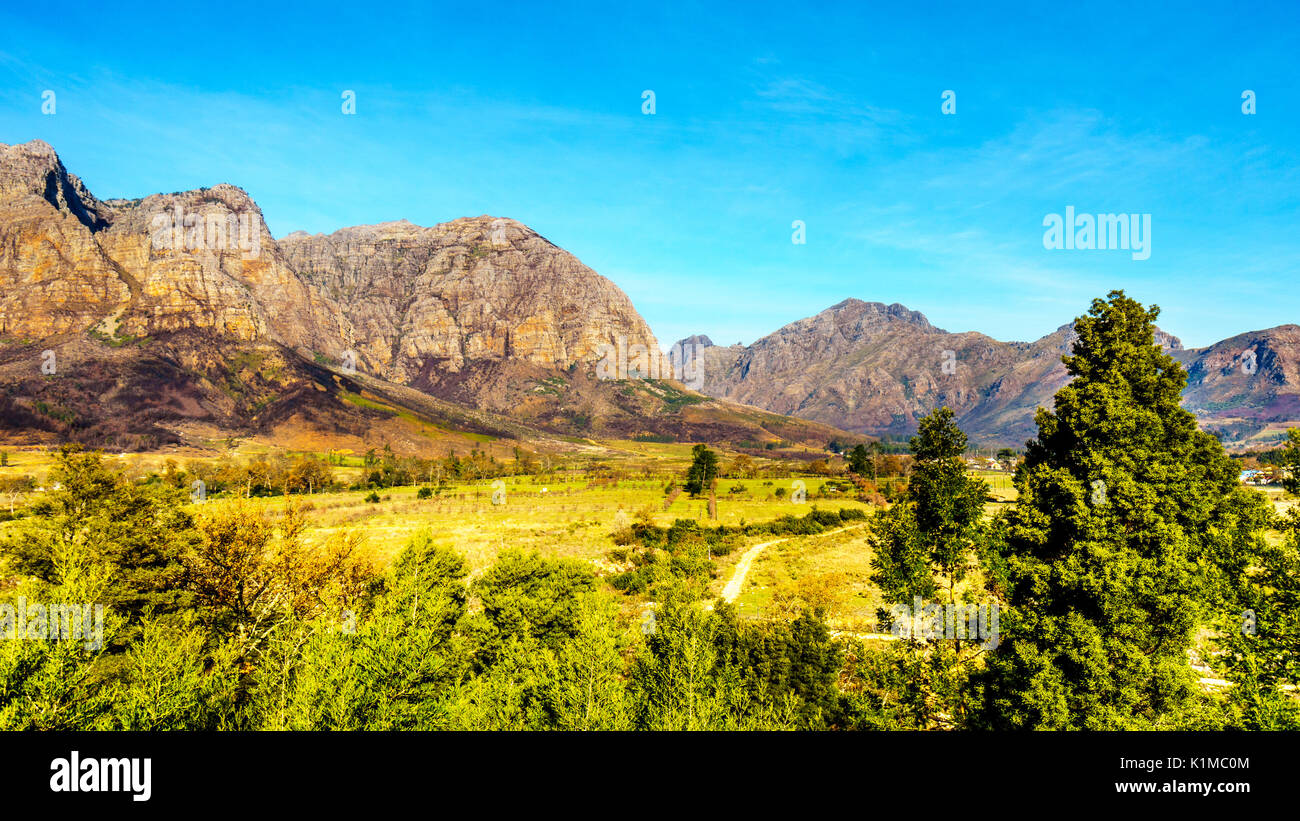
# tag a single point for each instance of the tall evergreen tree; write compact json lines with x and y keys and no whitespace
{"x":859,"y":460}
{"x":703,"y":470}
{"x":1130,"y":530}
{"x":140,"y":532}
{"x":928,"y":541}
{"x":929,"y":537}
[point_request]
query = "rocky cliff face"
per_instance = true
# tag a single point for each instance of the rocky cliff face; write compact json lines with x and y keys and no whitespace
{"x":1246,"y":387}
{"x":875,"y":368}
{"x":410,"y":302}
{"x":70,"y":263}
{"x":54,"y":276}
{"x":428,"y":303}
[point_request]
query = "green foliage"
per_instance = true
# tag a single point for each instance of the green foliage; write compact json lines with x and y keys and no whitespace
{"x":49,"y":686}
{"x":1259,"y":645}
{"x":1130,"y":528}
{"x":390,"y":668}
{"x":172,"y":680}
{"x":860,"y":460}
{"x":783,"y":664}
{"x":658,"y":438}
{"x":900,"y":559}
{"x":587,"y":690}
{"x":138,"y":532}
{"x":682,"y":678}
{"x":54,"y":684}
{"x":948,"y":503}
{"x":703,"y":470}
{"x":580,"y":685}
{"x":906,"y":686}
{"x":1289,"y":459}
{"x":931,"y":535}
{"x":528,"y":595}
{"x":929,"y":540}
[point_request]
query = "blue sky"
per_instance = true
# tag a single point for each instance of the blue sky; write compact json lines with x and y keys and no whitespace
{"x":765,"y":114}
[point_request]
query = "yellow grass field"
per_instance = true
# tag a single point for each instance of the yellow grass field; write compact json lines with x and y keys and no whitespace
{"x":563,"y":515}
{"x":569,"y":514}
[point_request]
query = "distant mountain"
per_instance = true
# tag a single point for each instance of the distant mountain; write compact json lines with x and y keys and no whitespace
{"x":874,"y":369}
{"x":1247,"y":388}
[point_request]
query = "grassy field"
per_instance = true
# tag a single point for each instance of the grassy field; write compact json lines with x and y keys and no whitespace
{"x":564,"y":518}
{"x":570,"y":514}
{"x":564,"y":515}
{"x":831,"y":571}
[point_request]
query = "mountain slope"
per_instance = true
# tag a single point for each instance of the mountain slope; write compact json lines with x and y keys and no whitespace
{"x":1246,"y":388}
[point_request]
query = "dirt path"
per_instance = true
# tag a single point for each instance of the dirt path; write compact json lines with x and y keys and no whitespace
{"x":732,"y":591}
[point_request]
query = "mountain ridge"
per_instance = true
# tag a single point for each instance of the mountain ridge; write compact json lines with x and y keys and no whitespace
{"x":873,"y":369}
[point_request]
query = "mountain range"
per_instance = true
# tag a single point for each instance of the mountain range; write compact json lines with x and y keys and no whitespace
{"x":178,"y":318}
{"x":874,"y":369}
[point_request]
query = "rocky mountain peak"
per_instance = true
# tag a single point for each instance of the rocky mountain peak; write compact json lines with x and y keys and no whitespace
{"x":413,"y":303}
{"x":1168,"y":341}
{"x":695,"y":341}
{"x":427,"y":302}
{"x":31,"y":173}
{"x":862,"y":314}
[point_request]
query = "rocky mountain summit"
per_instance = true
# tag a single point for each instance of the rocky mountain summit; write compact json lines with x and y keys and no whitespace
{"x":428,"y":303}
{"x":1246,"y":387}
{"x":398,"y":295}
{"x":71,"y":263}
{"x":876,"y":368}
